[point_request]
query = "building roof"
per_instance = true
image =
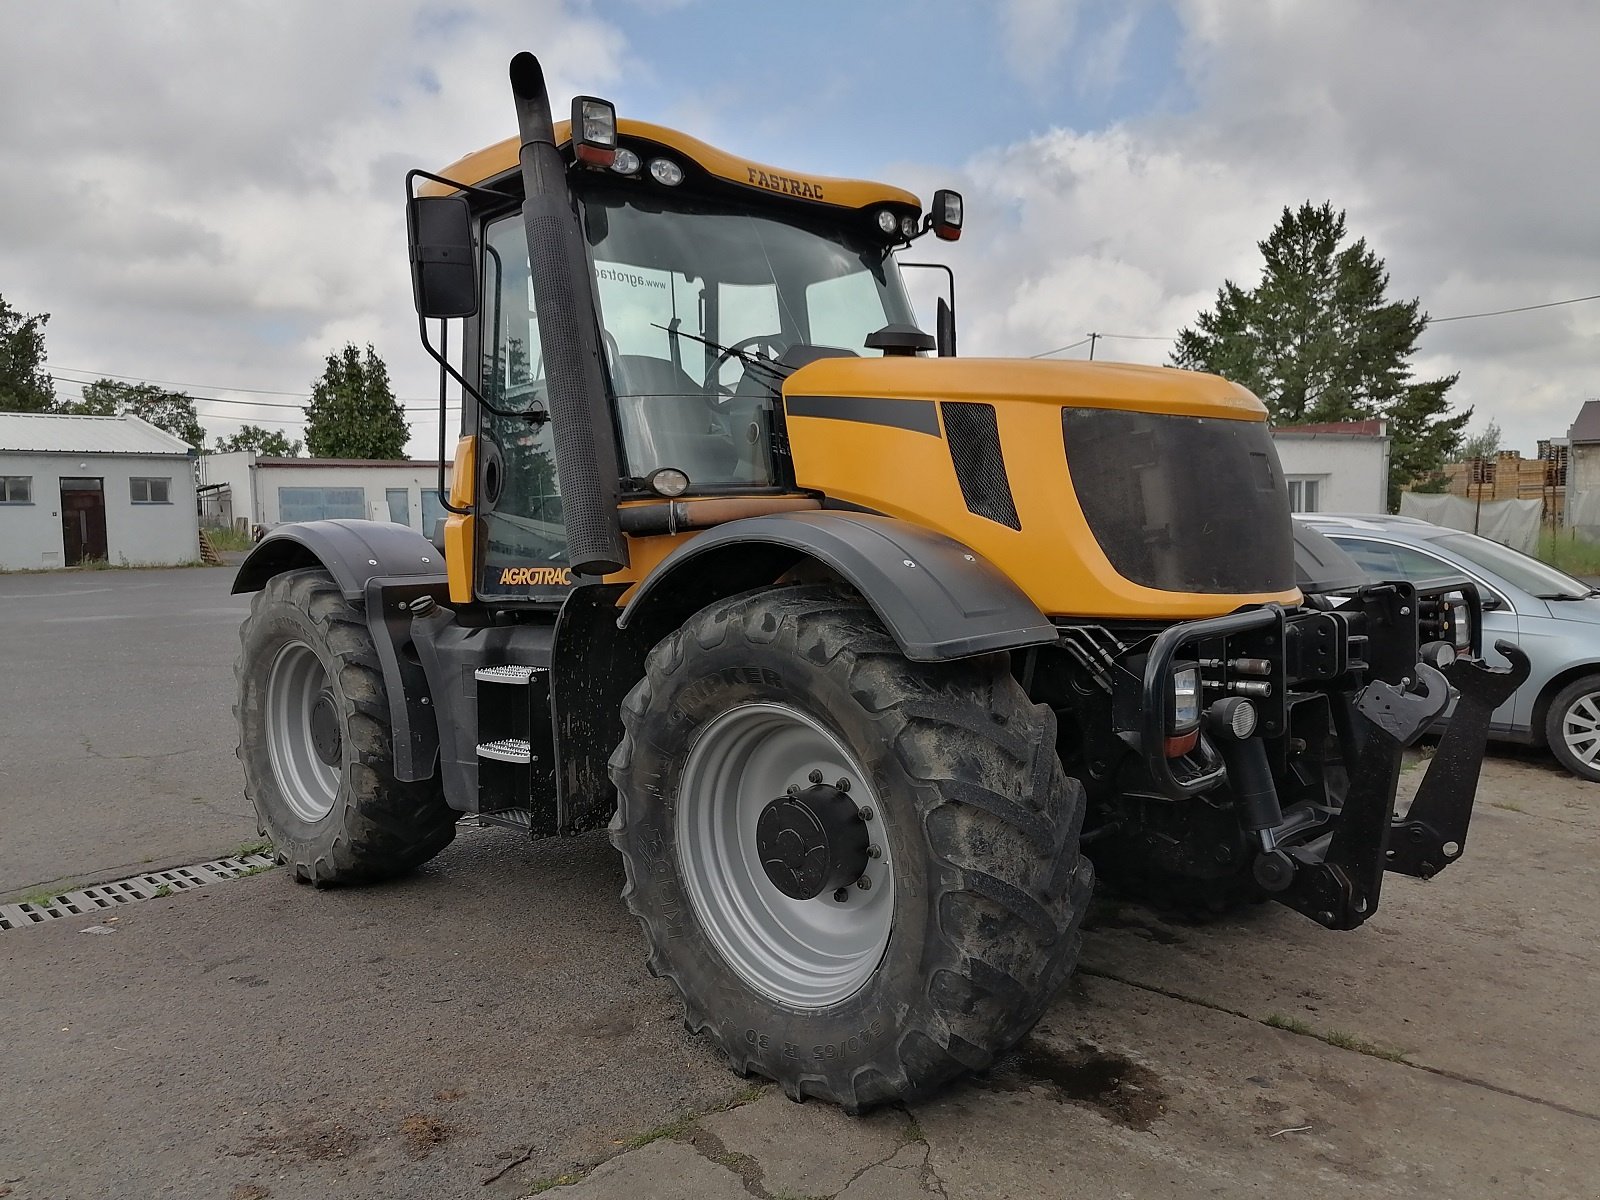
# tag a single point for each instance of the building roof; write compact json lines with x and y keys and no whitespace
{"x":1587,"y":427}
{"x":426,"y":463}
{"x":60,"y":433}
{"x":1374,"y":428}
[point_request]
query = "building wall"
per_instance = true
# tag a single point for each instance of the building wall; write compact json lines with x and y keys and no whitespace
{"x":1583,"y":467}
{"x":1352,"y":473}
{"x":156,"y":534}
{"x":254,"y":485}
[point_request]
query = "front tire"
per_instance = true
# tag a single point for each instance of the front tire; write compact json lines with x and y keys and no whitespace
{"x":317,"y":745}
{"x":1572,"y":727}
{"x":975,"y":888}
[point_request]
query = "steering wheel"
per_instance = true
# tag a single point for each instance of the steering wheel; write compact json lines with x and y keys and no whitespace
{"x":766,"y":345}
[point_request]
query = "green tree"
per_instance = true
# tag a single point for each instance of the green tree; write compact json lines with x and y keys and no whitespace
{"x":172,"y":411}
{"x":271,"y":443}
{"x":1317,"y":340}
{"x":353,"y":412}
{"x":1483,"y":444}
{"x":25,"y":386}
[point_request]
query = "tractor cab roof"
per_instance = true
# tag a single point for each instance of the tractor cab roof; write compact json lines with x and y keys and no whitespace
{"x":483,"y":167}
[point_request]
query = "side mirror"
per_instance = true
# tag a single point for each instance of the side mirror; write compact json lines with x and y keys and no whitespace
{"x":444,"y":270}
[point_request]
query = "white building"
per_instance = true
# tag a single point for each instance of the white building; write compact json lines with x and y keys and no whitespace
{"x":1341,"y":467}
{"x":77,"y":489}
{"x":245,"y":488}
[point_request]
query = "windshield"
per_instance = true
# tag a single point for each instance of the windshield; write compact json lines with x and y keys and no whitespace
{"x":1516,"y":568}
{"x":675,"y":284}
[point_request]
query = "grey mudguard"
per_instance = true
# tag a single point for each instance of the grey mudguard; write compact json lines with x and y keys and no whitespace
{"x":938,"y":599}
{"x":353,"y":552}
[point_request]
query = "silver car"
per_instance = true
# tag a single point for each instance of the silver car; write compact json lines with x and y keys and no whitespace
{"x":1553,"y":617}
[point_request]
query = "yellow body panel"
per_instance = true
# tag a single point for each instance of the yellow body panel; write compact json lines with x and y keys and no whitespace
{"x":494,"y":161}
{"x":461,"y":530}
{"x":1054,"y":558}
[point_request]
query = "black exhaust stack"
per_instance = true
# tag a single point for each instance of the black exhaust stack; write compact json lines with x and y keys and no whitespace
{"x":580,"y":417}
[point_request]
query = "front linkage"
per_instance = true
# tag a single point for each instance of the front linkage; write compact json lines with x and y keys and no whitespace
{"x":1364,"y":664}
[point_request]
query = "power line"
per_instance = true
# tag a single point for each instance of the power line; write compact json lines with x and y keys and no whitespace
{"x":1500,"y":312}
{"x":411,"y":404}
{"x":1058,"y":350}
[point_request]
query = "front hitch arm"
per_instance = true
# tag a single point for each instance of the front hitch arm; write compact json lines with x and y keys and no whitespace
{"x":1338,"y":877}
{"x":1434,"y":831}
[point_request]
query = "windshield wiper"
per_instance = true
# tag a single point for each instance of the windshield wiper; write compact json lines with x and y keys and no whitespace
{"x":750,"y":360}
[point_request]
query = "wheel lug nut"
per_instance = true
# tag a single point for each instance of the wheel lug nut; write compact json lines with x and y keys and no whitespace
{"x":866,"y":812}
{"x":874,"y":851}
{"x":815,"y":777}
{"x":843,"y":785}
{"x":864,"y":884}
{"x":793,"y":789}
{"x":841,"y":894}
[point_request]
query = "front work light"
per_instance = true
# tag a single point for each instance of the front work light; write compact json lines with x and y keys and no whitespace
{"x":888,"y":222}
{"x":664,"y":170}
{"x":908,"y":227}
{"x":594,"y":131}
{"x":626,"y":162}
{"x":1183,"y":722}
{"x":667,"y":481}
{"x":946,"y":214}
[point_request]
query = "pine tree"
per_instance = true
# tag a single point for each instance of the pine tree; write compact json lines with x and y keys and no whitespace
{"x":25,"y":386}
{"x":1318,"y":341}
{"x":353,"y":412}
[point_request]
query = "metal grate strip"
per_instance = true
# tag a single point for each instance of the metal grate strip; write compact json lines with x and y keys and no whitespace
{"x":124,"y":891}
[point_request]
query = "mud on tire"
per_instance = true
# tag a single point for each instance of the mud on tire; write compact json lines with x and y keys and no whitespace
{"x":982,"y":825}
{"x":375,"y":826}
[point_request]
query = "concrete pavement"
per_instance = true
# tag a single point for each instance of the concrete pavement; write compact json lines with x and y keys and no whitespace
{"x":487,"y":1028}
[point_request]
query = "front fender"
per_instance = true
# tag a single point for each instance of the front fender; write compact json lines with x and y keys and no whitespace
{"x":937,"y":598}
{"x":353,"y":552}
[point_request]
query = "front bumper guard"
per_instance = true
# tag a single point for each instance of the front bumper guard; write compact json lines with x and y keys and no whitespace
{"x":1336,"y":876}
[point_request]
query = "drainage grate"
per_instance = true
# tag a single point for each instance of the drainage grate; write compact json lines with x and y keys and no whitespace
{"x":87,"y":901}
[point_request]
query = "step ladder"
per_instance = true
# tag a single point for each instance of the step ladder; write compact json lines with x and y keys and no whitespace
{"x":516,"y":783}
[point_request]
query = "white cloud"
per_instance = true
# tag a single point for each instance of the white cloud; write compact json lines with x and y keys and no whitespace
{"x":1456,"y":136}
{"x":212,"y":193}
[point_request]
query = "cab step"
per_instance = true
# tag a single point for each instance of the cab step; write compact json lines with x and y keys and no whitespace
{"x":511,"y":818}
{"x":508,"y":673}
{"x":508,"y":750}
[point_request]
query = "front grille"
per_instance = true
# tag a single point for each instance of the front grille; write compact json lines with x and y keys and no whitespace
{"x":974,"y":437}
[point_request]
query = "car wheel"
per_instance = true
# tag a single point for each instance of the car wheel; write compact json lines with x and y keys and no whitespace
{"x":1572,"y":727}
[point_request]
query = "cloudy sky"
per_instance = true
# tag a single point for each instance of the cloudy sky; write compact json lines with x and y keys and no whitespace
{"x":208,"y":194}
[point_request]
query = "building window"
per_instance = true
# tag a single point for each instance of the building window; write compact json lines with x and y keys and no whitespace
{"x":150,"y":490}
{"x":16,"y":489}
{"x":432,"y":512}
{"x":399,"y":505}
{"x":1304,"y":495}
{"x":321,"y":504}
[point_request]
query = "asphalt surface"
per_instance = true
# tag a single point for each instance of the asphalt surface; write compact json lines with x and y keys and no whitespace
{"x":116,"y":733}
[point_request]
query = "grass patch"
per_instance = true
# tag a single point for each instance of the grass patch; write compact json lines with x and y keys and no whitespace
{"x":261,"y":870}
{"x":256,"y":846}
{"x":544,"y":1185}
{"x":223,"y":538}
{"x":163,"y":891}
{"x":1568,"y":553}
{"x":40,"y":899}
{"x":1291,"y":1024}
{"x":1508,"y":805}
{"x":100,"y":564}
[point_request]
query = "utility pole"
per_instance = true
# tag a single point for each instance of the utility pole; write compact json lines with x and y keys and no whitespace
{"x":1093,"y":338}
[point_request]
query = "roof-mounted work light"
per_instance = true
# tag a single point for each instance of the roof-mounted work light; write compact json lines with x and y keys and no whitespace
{"x":946,"y":214}
{"x":594,"y":131}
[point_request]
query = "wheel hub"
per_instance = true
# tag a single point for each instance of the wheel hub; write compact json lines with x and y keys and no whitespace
{"x":324,"y":721}
{"x":812,"y":842}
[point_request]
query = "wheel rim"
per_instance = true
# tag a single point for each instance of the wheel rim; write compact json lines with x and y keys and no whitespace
{"x":804,"y":953}
{"x":303,"y":732}
{"x":1580,"y":728}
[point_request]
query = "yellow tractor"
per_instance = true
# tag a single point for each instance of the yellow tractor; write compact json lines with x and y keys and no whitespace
{"x":862,"y":650}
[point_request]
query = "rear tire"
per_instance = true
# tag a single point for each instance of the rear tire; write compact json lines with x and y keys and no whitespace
{"x":1572,"y":727}
{"x":971,"y":924}
{"x":316,"y":741}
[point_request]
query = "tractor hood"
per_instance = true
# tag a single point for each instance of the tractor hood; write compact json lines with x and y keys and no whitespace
{"x":1009,"y":380}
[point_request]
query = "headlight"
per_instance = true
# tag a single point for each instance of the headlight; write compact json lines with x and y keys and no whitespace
{"x":665,"y":171}
{"x":1185,"y":698}
{"x":887,"y":221}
